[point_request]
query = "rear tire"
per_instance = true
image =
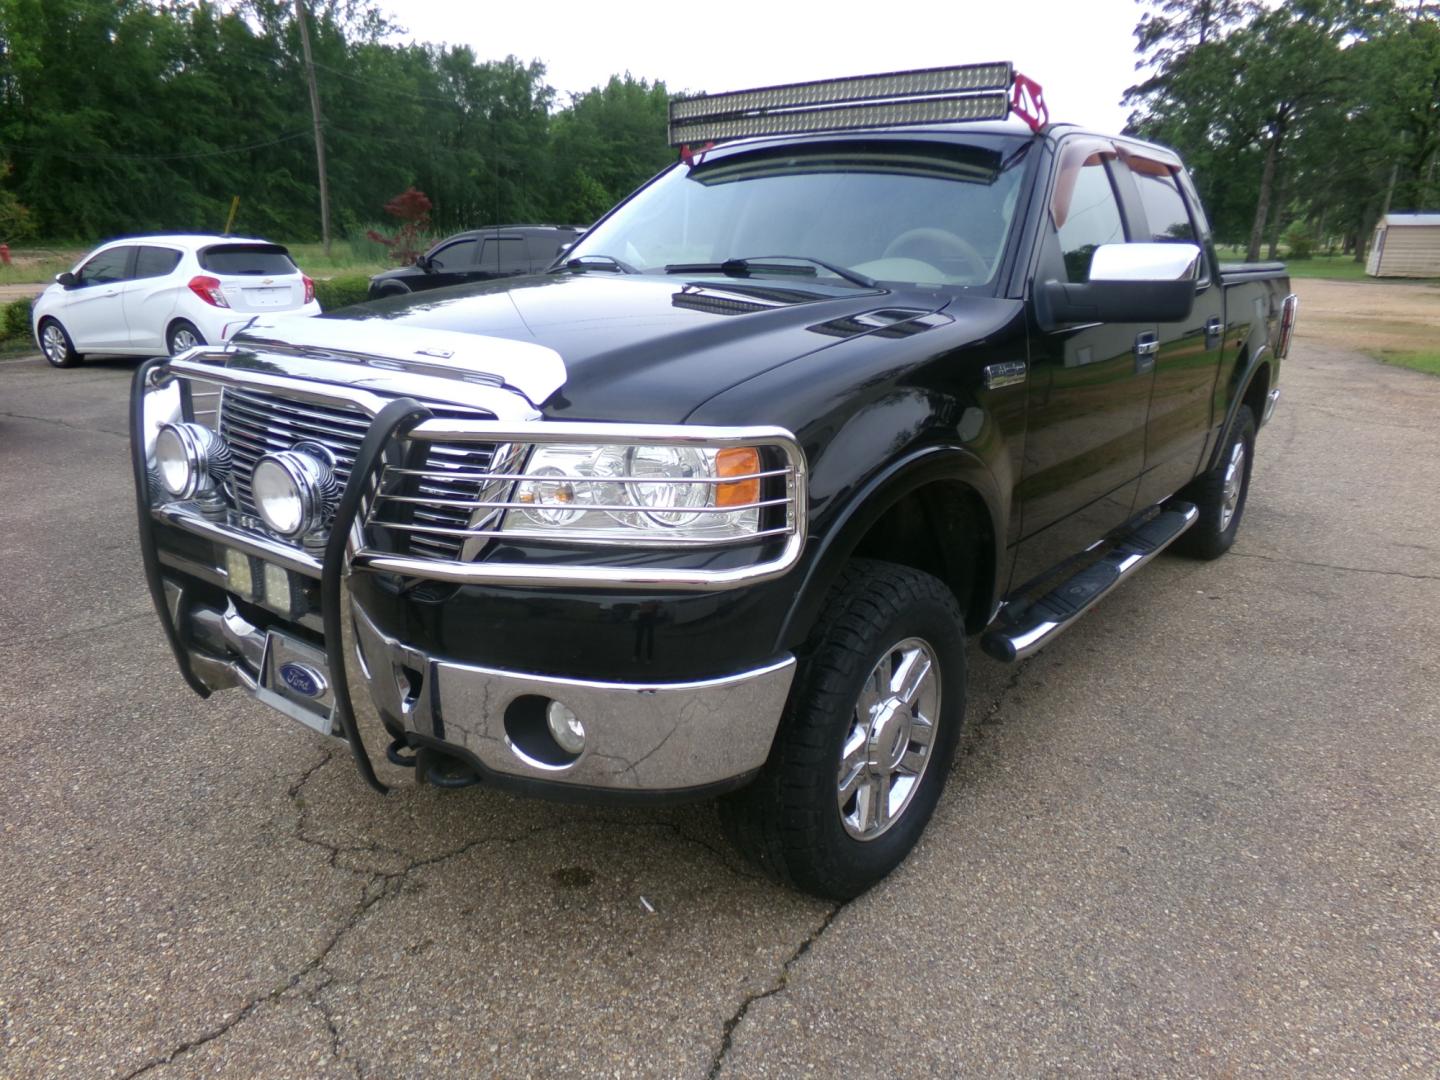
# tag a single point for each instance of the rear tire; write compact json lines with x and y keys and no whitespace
{"x":182,"y":337}
{"x":1220,"y":494}
{"x":55,"y":343}
{"x":857,"y":766}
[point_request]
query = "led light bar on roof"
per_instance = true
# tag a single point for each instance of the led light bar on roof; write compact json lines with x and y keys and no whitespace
{"x":994,"y":105}
{"x":924,"y":82}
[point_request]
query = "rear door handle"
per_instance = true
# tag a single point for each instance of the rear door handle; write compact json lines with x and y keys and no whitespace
{"x":1147,"y":345}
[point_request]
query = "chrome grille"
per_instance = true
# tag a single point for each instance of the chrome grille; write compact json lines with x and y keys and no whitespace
{"x":254,"y":423}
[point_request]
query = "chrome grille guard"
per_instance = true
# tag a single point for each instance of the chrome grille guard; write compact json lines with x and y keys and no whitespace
{"x":329,"y":382}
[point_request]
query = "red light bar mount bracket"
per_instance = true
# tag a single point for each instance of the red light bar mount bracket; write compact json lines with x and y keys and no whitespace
{"x":1027,"y":101}
{"x":692,"y":155}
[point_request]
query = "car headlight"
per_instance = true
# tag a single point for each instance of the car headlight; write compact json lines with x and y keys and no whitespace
{"x":190,"y":459}
{"x":661,"y":493}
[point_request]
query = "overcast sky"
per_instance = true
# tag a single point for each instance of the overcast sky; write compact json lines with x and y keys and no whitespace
{"x":1081,"y":51}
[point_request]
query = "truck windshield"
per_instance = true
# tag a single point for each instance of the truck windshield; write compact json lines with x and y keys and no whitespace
{"x":907,"y":212}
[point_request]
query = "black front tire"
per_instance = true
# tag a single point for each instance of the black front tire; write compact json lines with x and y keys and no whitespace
{"x":791,"y":821}
{"x":1220,"y":494}
{"x":55,"y":343}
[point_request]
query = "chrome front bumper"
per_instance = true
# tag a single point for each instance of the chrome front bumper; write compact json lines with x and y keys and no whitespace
{"x":641,"y":737}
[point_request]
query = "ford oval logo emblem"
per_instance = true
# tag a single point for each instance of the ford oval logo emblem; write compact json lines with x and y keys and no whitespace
{"x":303,"y":680}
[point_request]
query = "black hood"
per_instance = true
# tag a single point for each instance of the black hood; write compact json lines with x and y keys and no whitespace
{"x":652,"y":348}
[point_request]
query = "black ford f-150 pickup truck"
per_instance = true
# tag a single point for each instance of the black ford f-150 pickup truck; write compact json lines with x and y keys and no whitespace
{"x":709,"y":508}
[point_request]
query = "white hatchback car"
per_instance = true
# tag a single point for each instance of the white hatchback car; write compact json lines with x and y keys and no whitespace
{"x":148,"y":295}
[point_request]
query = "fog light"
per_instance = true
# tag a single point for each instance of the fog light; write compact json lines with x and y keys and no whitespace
{"x":189,"y":459}
{"x":237,"y":572}
{"x":294,"y":491}
{"x":277,"y":588}
{"x":565,"y":727}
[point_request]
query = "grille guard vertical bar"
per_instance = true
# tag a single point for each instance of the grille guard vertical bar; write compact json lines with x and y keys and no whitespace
{"x":394,"y":417}
{"x":149,"y":554}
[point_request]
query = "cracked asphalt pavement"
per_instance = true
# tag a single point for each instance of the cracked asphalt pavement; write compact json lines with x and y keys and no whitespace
{"x":1196,"y":836}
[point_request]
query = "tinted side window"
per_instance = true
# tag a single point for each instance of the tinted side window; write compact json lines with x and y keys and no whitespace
{"x":505,"y":255}
{"x":155,"y":262}
{"x":1091,"y":219}
{"x":545,"y":246}
{"x":107,"y":266}
{"x":1169,"y":222}
{"x":456,"y":256}
{"x":253,"y":259}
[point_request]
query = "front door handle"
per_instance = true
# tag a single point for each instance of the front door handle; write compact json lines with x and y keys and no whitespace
{"x":1147,"y":345}
{"x":1213,"y":327}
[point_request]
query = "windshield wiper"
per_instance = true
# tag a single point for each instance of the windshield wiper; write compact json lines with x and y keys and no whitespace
{"x":602,"y":262}
{"x":758,"y":265}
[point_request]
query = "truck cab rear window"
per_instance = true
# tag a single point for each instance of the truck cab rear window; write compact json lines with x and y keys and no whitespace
{"x":257,"y":259}
{"x":1164,"y":209}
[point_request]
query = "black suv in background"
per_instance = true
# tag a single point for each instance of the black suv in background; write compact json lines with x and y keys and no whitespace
{"x":478,"y":255}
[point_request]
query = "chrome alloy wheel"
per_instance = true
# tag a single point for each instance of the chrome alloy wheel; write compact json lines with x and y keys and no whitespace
{"x":1234,"y":484}
{"x":892,"y":731}
{"x":182,"y":341}
{"x":52,"y":340}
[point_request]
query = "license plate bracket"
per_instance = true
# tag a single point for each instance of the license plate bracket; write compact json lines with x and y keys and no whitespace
{"x":295,"y":678}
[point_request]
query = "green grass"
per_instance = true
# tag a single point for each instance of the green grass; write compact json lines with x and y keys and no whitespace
{"x":37,"y":265}
{"x":344,"y":259}
{"x":1427,"y":360}
{"x":1345,"y":268}
{"x":1330,"y":267}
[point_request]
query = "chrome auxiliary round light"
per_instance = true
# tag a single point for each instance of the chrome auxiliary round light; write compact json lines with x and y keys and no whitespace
{"x":190,"y":458}
{"x":294,"y":491}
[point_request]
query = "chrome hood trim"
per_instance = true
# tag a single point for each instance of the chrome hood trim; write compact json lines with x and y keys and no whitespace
{"x":533,"y":370}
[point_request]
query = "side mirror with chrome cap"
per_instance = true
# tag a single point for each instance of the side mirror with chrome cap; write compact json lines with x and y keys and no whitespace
{"x":1128,"y":283}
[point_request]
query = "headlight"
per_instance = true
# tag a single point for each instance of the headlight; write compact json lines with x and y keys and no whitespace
{"x":190,"y":458}
{"x":294,"y":491}
{"x":665,"y":502}
{"x":640,"y":493}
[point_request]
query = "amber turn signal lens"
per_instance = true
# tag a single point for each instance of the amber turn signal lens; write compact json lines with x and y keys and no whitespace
{"x":738,"y":461}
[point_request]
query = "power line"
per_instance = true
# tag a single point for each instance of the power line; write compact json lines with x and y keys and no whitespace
{"x":391,"y":91}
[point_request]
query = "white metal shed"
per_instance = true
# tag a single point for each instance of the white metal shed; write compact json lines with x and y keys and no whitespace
{"x":1405,"y":245}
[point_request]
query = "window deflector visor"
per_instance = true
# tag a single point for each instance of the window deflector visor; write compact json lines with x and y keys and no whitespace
{"x":1074,"y":156}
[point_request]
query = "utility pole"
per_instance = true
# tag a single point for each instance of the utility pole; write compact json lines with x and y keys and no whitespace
{"x":302,"y":19}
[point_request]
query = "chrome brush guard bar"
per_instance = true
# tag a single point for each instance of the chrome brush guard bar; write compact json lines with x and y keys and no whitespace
{"x":319,"y":380}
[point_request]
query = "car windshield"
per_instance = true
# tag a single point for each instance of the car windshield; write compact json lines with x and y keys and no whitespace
{"x":255,"y":259}
{"x":904,"y":211}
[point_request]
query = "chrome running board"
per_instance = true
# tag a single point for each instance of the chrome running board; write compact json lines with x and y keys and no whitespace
{"x":1050,"y":616}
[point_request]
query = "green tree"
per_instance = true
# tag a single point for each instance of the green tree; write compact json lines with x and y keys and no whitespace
{"x":121,"y":116}
{"x":1262,"y":102}
{"x":608,"y":142}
